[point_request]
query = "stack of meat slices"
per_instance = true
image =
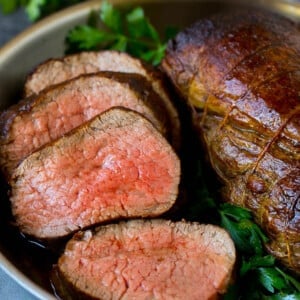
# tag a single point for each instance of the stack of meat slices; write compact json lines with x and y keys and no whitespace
{"x":74,"y":158}
{"x":55,"y":71}
{"x":63,"y":93}
{"x":94,"y":142}
{"x":116,"y":165}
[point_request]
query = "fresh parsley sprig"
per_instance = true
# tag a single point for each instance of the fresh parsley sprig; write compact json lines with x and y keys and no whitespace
{"x":260,"y":277}
{"x":121,"y":30}
{"x":35,"y":9}
{"x":258,"y":274}
{"x":248,"y":237}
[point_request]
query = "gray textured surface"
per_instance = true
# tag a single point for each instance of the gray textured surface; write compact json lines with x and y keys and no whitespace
{"x":10,"y":290}
{"x":10,"y":26}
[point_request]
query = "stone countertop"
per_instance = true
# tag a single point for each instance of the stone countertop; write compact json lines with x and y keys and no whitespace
{"x":10,"y":26}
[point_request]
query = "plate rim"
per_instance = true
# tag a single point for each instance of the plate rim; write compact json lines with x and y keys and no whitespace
{"x":291,"y":8}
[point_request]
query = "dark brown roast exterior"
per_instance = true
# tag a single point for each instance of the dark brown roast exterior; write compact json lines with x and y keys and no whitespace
{"x":241,"y":73}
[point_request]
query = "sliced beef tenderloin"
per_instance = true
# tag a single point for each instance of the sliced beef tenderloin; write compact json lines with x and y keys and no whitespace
{"x":116,"y":165}
{"x":55,"y":71}
{"x":36,"y":121}
{"x":153,"y":259}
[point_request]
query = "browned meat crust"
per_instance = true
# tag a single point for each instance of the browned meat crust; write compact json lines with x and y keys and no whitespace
{"x":153,"y":259}
{"x":117,"y":165}
{"x":35,"y":121}
{"x":55,"y":71}
{"x":241,"y":72}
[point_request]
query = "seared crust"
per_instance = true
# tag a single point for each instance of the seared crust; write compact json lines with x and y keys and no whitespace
{"x":117,"y":165}
{"x":55,"y":71}
{"x":241,"y":72}
{"x":35,"y":121}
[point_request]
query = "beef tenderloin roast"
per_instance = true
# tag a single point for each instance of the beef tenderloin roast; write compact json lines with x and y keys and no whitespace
{"x":241,"y":73}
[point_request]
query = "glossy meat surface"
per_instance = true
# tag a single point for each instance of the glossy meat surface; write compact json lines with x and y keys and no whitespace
{"x":241,"y":73}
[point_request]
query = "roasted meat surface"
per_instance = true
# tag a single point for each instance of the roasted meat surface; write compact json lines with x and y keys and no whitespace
{"x":241,"y":73}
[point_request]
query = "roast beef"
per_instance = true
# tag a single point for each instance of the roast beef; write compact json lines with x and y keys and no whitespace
{"x":116,"y":165}
{"x":154,"y":259}
{"x":241,"y":73}
{"x":55,"y":71}
{"x":30,"y":124}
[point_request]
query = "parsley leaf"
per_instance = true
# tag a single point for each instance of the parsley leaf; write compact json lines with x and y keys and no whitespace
{"x":92,"y":37}
{"x":154,"y":56}
{"x":291,"y":280}
{"x":9,"y":6}
{"x":33,"y":8}
{"x":268,"y":281}
{"x":271,"y":279}
{"x":282,"y":296}
{"x":111,"y":17}
{"x":138,"y":25}
{"x":122,"y":30}
{"x":247,"y":236}
{"x":36,"y":9}
{"x":255,"y":262}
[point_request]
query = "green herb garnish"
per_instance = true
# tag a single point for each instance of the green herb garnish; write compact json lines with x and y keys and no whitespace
{"x":122,"y":30}
{"x":36,"y":9}
{"x":258,"y":274}
{"x":260,"y":277}
{"x":9,"y":6}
